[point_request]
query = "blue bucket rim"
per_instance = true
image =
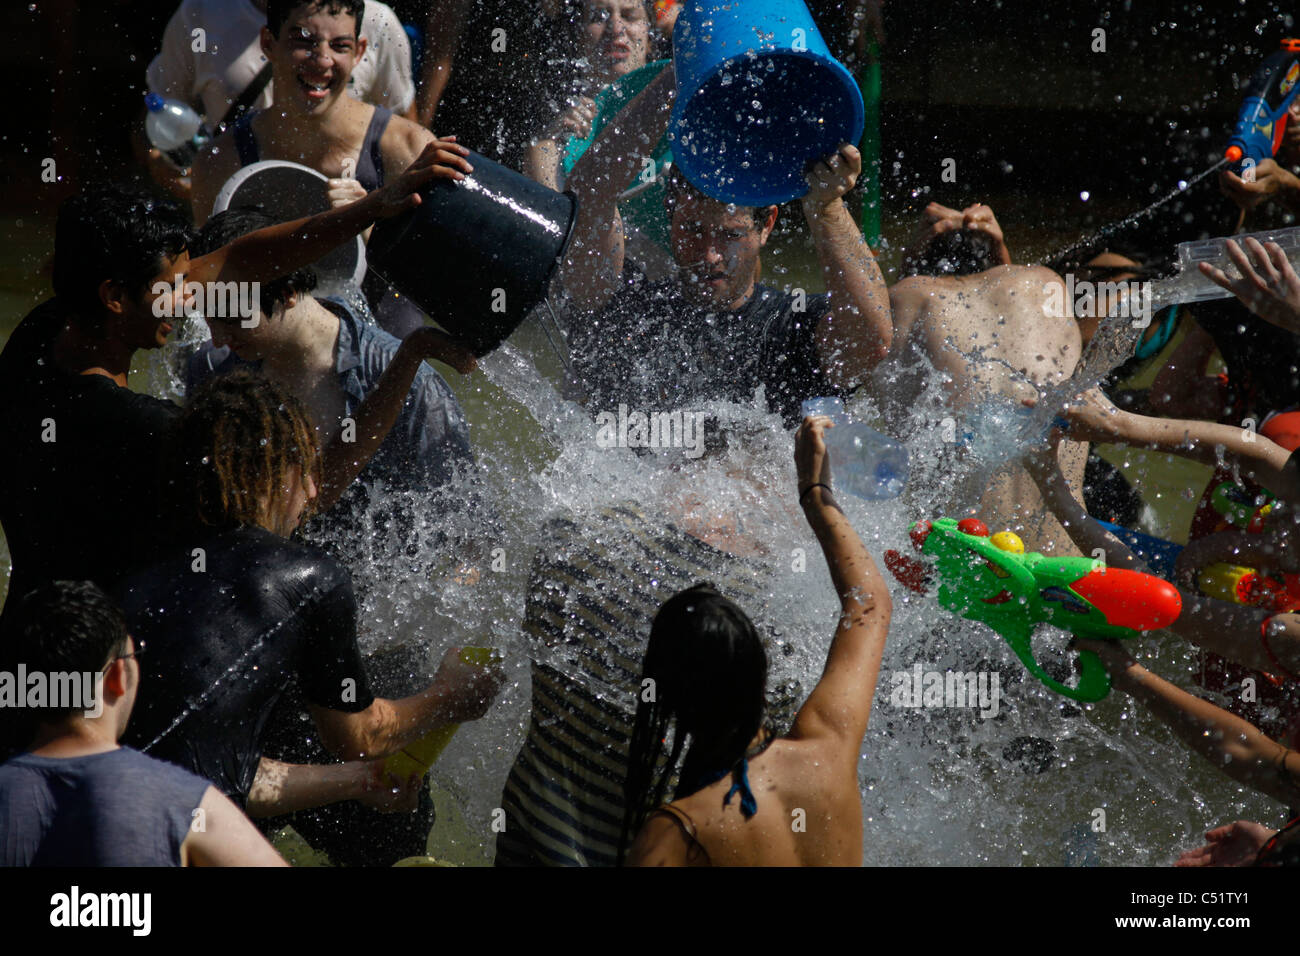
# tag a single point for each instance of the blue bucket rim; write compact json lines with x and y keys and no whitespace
{"x":769,"y":199}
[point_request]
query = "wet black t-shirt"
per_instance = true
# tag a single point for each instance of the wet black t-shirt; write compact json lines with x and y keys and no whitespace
{"x":80,"y":492}
{"x":226,"y":632}
{"x":653,"y":349}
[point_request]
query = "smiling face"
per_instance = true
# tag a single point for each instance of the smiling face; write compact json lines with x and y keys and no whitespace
{"x":146,"y":321}
{"x":616,"y":36}
{"x":312,"y":59}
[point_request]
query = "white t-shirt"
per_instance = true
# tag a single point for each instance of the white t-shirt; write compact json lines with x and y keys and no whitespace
{"x":210,"y":79}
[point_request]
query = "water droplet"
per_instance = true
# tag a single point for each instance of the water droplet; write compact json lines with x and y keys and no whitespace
{"x":1085,"y":195}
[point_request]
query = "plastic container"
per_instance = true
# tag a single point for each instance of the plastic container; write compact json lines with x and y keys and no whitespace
{"x":642,"y":203}
{"x":758,"y":97}
{"x":286,"y":191}
{"x":864,"y":462}
{"x":478,"y":254}
{"x":1158,"y":553}
{"x":419,"y":756}
{"x":174,"y":129}
{"x":1189,"y":285}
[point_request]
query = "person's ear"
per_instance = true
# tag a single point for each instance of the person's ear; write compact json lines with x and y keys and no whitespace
{"x":113,"y":297}
{"x":116,"y":680}
{"x":769,"y":223}
{"x":361,"y":48}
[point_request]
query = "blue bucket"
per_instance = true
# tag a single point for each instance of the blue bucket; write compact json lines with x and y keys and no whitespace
{"x":758,"y":97}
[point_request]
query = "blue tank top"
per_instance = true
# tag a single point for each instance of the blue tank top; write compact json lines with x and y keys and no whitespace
{"x":370,"y":164}
{"x":118,"y":808}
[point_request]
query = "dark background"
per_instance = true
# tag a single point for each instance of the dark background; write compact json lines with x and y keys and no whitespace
{"x":1009,"y":88}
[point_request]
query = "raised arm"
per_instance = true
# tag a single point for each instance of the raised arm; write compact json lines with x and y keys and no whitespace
{"x":342,"y":461}
{"x":839,"y":707}
{"x":858,"y":332}
{"x":1235,"y":746}
{"x":271,"y":252}
{"x":594,"y":261}
{"x":443,"y":26}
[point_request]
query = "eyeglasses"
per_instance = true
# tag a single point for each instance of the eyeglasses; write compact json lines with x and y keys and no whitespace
{"x":140,"y":648}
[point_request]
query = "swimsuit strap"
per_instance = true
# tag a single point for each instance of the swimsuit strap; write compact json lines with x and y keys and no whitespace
{"x":748,"y":805}
{"x":370,"y":162}
{"x":740,"y":771}
{"x":687,"y":825}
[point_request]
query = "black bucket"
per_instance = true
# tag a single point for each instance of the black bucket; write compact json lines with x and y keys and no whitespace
{"x":478,"y":254}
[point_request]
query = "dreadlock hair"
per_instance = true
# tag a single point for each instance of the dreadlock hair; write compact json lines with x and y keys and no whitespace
{"x":237,"y":440}
{"x":708,"y":674}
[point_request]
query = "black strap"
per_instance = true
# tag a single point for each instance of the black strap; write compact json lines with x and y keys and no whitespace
{"x":246,"y":99}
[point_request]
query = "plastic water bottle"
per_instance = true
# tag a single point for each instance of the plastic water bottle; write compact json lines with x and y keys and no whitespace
{"x":174,"y":129}
{"x":864,"y":462}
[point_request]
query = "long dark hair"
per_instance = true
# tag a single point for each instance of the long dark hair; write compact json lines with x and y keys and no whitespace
{"x":705,"y":672}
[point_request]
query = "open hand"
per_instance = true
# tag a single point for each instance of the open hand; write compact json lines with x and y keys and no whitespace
{"x":1268,"y":286}
{"x":441,"y":159}
{"x":1236,"y":844}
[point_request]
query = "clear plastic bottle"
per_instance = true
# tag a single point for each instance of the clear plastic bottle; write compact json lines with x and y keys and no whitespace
{"x":864,"y":462}
{"x":174,"y":129}
{"x":1189,"y":285}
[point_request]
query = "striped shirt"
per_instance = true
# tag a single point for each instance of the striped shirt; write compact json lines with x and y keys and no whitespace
{"x":592,"y":598}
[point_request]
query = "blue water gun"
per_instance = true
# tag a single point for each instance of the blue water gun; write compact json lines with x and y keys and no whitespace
{"x":1263,"y":116}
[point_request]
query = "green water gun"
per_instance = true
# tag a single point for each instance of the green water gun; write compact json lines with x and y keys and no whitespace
{"x":991,"y":579}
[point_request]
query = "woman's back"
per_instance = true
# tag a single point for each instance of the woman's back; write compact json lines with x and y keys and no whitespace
{"x":809,"y":814}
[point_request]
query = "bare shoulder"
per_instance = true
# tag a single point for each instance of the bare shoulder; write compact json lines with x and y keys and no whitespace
{"x":403,"y":141}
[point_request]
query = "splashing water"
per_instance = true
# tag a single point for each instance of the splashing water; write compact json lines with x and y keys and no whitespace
{"x":939,"y":784}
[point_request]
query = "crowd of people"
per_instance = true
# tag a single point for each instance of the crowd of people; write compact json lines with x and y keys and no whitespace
{"x":157,"y":546}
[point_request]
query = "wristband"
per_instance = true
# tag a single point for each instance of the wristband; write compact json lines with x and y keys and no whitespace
{"x":817,"y":484}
